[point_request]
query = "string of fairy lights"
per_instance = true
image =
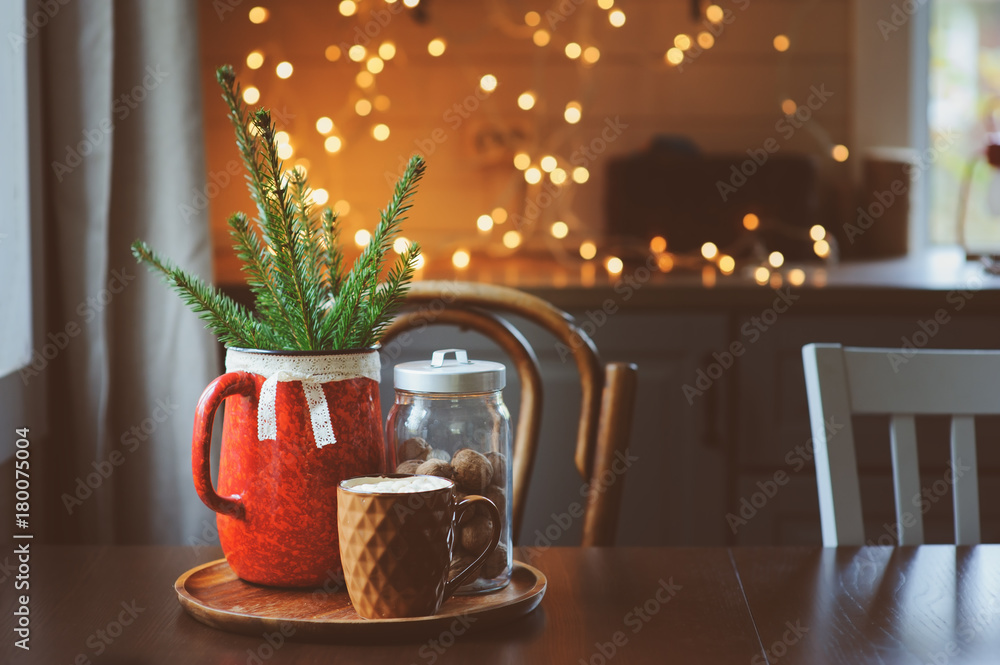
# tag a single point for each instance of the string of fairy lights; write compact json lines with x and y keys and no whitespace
{"x":546,"y":168}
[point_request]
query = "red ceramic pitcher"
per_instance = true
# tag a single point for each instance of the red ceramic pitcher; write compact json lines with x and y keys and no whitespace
{"x":296,"y":424}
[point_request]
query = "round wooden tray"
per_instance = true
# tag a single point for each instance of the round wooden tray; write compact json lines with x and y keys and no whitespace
{"x":213,"y":595}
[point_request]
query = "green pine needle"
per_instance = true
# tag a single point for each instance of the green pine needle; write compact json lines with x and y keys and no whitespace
{"x":233,"y":325}
{"x":304,"y":301}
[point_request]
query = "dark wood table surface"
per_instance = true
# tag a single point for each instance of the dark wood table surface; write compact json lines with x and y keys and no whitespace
{"x":931,"y":604}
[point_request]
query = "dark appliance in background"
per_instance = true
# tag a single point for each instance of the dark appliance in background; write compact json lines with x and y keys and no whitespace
{"x":674,"y":190}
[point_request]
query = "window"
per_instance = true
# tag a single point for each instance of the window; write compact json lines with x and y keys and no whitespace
{"x":963,"y":111}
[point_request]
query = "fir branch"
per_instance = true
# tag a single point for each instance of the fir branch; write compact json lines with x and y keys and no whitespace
{"x":334,"y":254}
{"x":332,"y":265}
{"x":233,"y":325}
{"x":361,"y":283}
{"x":389,"y":297}
{"x":285,"y":237}
{"x":257,"y":265}
{"x":296,"y":272}
{"x":309,"y":237}
{"x":248,"y":144}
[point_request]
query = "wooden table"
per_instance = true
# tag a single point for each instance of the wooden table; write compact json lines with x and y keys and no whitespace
{"x":930,"y":604}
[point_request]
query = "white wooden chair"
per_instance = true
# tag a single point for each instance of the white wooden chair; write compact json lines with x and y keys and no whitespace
{"x":901,"y":383}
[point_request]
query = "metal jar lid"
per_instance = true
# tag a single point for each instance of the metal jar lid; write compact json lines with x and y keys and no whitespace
{"x":450,"y":375}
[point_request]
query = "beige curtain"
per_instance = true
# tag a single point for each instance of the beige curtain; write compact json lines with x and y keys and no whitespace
{"x":121,"y":152}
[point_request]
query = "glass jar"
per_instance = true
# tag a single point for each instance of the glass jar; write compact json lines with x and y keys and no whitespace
{"x":449,"y":419}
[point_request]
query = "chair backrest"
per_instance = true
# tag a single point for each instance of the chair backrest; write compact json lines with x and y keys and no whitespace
{"x":901,"y":383}
{"x":608,"y":391}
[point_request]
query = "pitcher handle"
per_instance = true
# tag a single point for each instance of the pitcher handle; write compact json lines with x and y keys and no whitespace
{"x":227,"y":385}
{"x":463,"y":576}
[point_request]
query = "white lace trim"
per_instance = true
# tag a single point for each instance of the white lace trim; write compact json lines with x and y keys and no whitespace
{"x":312,"y":372}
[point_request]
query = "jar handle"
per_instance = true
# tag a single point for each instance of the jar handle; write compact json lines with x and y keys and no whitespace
{"x":463,"y":576}
{"x":437,"y":358}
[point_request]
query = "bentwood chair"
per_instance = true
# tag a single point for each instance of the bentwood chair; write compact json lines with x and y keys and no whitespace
{"x":901,"y":383}
{"x":608,"y":390}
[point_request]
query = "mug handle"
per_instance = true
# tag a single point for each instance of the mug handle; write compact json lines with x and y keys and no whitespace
{"x":227,"y":385}
{"x":463,"y":576}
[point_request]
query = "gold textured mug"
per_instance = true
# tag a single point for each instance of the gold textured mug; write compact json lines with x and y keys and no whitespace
{"x":396,"y":546}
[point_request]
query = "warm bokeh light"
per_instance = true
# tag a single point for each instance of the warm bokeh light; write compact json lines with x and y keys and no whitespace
{"x":362,"y":107}
{"x":522,"y":160}
{"x":282,"y":137}
{"x":499,"y":215}
{"x":285,"y":150}
{"x":324,"y":125}
{"x":375,"y":65}
{"x":411,"y":3}
{"x":706,"y":40}
{"x":762,"y":275}
{"x":380,"y":132}
{"x":488,"y":83}
{"x":616,"y":18}
{"x":333,"y":144}
{"x":658,"y":244}
{"x":714,"y":13}
{"x":342,"y":207}
{"x":357,"y":53}
{"x":400,"y":245}
{"x":776,"y":259}
{"x":382,"y":103}
{"x":573,"y":50}
{"x":674,"y":56}
{"x":548,"y":162}
{"x":817,"y":232}
{"x":559,"y":229}
{"x":709,"y":250}
{"x":840,"y":153}
{"x":557,"y":176}
{"x":822,"y":248}
{"x":362,"y":238}
{"x":614,"y":265}
{"x":319,"y":196}
{"x":511,"y":239}
{"x":436,"y":47}
{"x":581,"y":175}
{"x":541,"y":37}
{"x":419,"y":261}
{"x":683,"y":42}
{"x":365,"y":79}
{"x":251,"y":95}
{"x":387,"y":51}
{"x":484,"y":223}
{"x":284,"y":69}
{"x":781,"y":43}
{"x":788,"y":106}
{"x":332,"y":53}
{"x":751,"y":221}
{"x":727,"y":264}
{"x":532,"y":19}
{"x":605,"y":4}
{"x":588,"y":250}
{"x":591,"y":54}
{"x":573,"y":113}
{"x":460,"y":259}
{"x":258,"y":15}
{"x":533,"y":175}
{"x":348,"y":8}
{"x":665,"y":262}
{"x":796,"y":276}
{"x":526,"y":100}
{"x":255,"y":59}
